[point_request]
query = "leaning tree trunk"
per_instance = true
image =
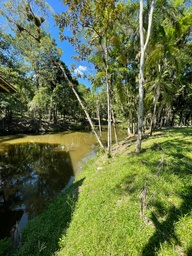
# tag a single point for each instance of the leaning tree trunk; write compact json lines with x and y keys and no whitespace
{"x":141,"y":70}
{"x":83,"y":107}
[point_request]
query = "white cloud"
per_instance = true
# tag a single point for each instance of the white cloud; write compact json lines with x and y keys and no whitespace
{"x":80,"y":70}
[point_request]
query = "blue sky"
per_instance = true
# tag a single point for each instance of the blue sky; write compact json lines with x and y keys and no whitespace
{"x":67,"y":49}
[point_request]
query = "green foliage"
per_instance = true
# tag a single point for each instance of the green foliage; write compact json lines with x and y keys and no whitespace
{"x":34,"y":71}
{"x":5,"y":247}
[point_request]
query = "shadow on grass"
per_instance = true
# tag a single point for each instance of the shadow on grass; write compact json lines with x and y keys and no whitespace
{"x":177,"y":149}
{"x":43,"y":234}
{"x":189,"y":251}
{"x":177,"y":162}
{"x":165,"y":231}
{"x":185,"y":131}
{"x":180,"y":166}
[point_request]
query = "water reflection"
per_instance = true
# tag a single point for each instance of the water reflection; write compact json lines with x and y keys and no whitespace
{"x":30,"y":175}
{"x":35,"y":168}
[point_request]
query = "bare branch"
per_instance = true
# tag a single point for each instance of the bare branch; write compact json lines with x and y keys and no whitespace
{"x":149,"y":24}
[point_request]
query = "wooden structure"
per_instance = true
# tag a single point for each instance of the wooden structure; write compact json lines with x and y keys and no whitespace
{"x":5,"y":86}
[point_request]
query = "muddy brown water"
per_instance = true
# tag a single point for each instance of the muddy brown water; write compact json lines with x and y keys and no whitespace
{"x":33,"y":169}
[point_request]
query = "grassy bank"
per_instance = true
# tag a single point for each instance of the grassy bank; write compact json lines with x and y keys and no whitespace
{"x":127,"y":205}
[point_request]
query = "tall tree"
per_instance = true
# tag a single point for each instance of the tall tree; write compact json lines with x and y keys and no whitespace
{"x":143,"y":46}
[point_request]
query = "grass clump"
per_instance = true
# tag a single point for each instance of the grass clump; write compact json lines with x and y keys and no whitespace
{"x":106,"y":212}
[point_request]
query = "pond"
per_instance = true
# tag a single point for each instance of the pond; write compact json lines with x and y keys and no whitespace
{"x":33,"y":169}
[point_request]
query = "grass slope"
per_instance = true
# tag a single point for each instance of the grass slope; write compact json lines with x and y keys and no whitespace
{"x":106,"y":212}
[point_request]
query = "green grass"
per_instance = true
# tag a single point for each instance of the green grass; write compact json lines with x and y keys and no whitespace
{"x":100,"y":214}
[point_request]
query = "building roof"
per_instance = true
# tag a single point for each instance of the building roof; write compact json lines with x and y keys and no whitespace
{"x":5,"y":86}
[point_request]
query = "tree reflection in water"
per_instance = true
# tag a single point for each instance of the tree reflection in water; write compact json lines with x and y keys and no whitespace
{"x":31,"y":174}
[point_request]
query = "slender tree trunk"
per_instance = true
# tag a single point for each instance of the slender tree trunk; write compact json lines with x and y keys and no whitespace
{"x":83,"y":107}
{"x":141,"y":99}
{"x":128,"y":128}
{"x":161,"y":122}
{"x":168,"y":116}
{"x":98,"y":116}
{"x":114,"y":125}
{"x":50,"y":114}
{"x":153,"y":118}
{"x":173,"y":118}
{"x":181,"y":118}
{"x":141,"y":70}
{"x":36,"y":70}
{"x":109,"y":137}
{"x":141,"y":78}
{"x":50,"y":110}
{"x":133,"y":128}
{"x":55,"y":115}
{"x":156,"y":97}
{"x":159,"y":115}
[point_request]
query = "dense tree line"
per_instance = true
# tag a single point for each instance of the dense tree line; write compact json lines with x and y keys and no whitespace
{"x":112,"y":36}
{"x":42,"y":91}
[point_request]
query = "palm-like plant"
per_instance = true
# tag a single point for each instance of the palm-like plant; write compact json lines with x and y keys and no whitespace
{"x":170,"y":29}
